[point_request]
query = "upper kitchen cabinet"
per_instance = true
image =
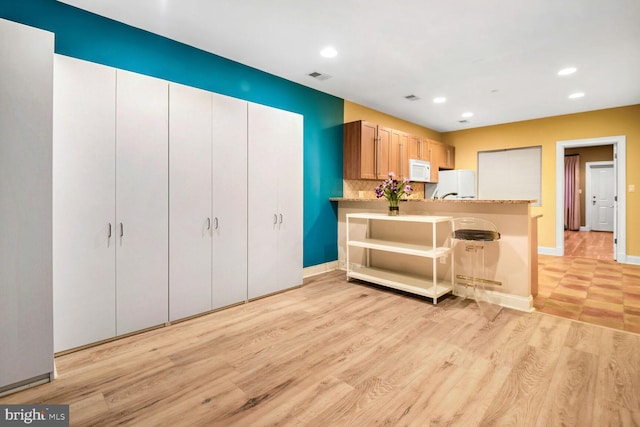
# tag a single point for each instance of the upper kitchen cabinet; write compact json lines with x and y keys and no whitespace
{"x":442,"y":155}
{"x":399,"y":154}
{"x":366,"y":150}
{"x":418,"y":148}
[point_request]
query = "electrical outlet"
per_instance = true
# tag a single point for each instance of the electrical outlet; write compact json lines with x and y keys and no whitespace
{"x":443,"y":260}
{"x":632,"y":188}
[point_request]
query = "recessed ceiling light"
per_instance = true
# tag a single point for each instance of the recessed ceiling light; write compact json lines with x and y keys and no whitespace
{"x":576,"y":95}
{"x":567,"y":71}
{"x":467,"y":114}
{"x":329,"y":52}
{"x":439,"y":100}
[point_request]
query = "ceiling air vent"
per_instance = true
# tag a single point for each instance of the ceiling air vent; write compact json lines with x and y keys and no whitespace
{"x":412,"y":97}
{"x":463,"y":121}
{"x":319,"y":76}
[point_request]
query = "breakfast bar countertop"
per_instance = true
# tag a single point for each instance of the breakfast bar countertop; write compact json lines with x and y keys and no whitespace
{"x":410,"y":200}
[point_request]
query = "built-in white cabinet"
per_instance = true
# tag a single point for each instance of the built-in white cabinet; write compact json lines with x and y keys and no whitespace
{"x":169,"y":201}
{"x":190,"y":195}
{"x":141,"y":201}
{"x":275,"y":200}
{"x":229,"y":211}
{"x":110,"y":203}
{"x":208,"y":201}
{"x":26,"y":98}
{"x":84,"y":210}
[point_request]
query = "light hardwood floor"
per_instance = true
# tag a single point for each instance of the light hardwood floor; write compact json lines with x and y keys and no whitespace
{"x":335,"y":353}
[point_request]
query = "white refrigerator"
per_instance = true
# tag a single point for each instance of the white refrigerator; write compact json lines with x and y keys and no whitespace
{"x":457,"y":184}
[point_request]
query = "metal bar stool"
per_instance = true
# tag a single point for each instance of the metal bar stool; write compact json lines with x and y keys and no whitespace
{"x":475,"y":233}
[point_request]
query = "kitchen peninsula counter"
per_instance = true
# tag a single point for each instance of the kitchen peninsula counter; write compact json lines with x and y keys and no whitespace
{"x":511,"y":262}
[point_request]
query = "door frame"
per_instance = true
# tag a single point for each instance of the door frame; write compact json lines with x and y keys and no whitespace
{"x":619,"y":143}
{"x":589,"y":191}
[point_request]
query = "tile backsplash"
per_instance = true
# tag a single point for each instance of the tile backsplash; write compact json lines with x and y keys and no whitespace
{"x":366,"y":189}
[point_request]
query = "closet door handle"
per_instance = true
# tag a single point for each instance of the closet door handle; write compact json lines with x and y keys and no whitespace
{"x":121,"y":230}
{"x":208,"y":223}
{"x":109,"y":232}
{"x":280,"y":218}
{"x":215,"y":223}
{"x":275,"y":219}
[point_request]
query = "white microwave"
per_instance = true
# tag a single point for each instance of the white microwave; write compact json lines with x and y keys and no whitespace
{"x":419,"y":170}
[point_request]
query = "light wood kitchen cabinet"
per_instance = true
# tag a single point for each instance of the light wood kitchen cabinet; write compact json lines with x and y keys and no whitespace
{"x":443,"y":155}
{"x":110,"y":216}
{"x":372,"y":151}
{"x":275,"y":200}
{"x":418,"y":148}
{"x":366,"y":150}
{"x":399,"y":154}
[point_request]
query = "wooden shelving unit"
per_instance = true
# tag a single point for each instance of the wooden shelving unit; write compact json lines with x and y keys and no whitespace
{"x":434,"y":249}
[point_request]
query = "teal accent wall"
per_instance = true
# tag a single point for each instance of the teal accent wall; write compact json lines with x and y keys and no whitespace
{"x":87,"y":36}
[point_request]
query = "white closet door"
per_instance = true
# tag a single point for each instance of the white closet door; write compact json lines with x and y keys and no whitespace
{"x":263,"y":206}
{"x":83,"y":203}
{"x":290,"y":198}
{"x":271,"y":167}
{"x":26,"y":98}
{"x":141,"y":202}
{"x":229,"y":201}
{"x":189,"y":201}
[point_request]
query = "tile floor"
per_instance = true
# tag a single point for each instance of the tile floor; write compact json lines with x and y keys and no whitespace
{"x":597,"y":291}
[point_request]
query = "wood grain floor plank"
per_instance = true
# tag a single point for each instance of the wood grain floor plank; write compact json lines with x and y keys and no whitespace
{"x":336,"y":353}
{"x":572,"y":390}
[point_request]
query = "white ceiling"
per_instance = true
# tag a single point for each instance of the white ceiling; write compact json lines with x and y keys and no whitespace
{"x":496,"y":58}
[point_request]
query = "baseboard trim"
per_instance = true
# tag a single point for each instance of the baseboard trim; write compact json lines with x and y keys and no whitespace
{"x":514,"y":302}
{"x":629,"y":259}
{"x":549,"y":251}
{"x":314,"y":270}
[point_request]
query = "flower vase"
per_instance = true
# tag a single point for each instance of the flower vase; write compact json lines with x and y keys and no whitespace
{"x":394,"y":210}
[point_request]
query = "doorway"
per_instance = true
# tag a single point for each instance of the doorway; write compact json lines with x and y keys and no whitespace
{"x":600,"y":196}
{"x":619,"y":178}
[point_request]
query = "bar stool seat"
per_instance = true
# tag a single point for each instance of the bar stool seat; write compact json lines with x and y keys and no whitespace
{"x":475,"y":233}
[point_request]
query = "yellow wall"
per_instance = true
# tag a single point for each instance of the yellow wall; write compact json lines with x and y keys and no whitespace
{"x":545,"y":132}
{"x":354,"y":112}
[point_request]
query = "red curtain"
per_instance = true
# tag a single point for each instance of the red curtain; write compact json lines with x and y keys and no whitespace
{"x":572,"y":192}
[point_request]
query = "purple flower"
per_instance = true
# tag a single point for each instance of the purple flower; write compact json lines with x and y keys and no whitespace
{"x":393,"y":189}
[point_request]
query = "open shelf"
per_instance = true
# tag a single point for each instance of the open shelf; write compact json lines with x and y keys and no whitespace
{"x":401,"y":247}
{"x":433,"y":248}
{"x":404,"y":282}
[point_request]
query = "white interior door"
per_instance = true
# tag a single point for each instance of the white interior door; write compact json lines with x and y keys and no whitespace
{"x":83,"y":203}
{"x":190,"y":219}
{"x":141,"y":202}
{"x":229,"y":279}
{"x":601,"y":200}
